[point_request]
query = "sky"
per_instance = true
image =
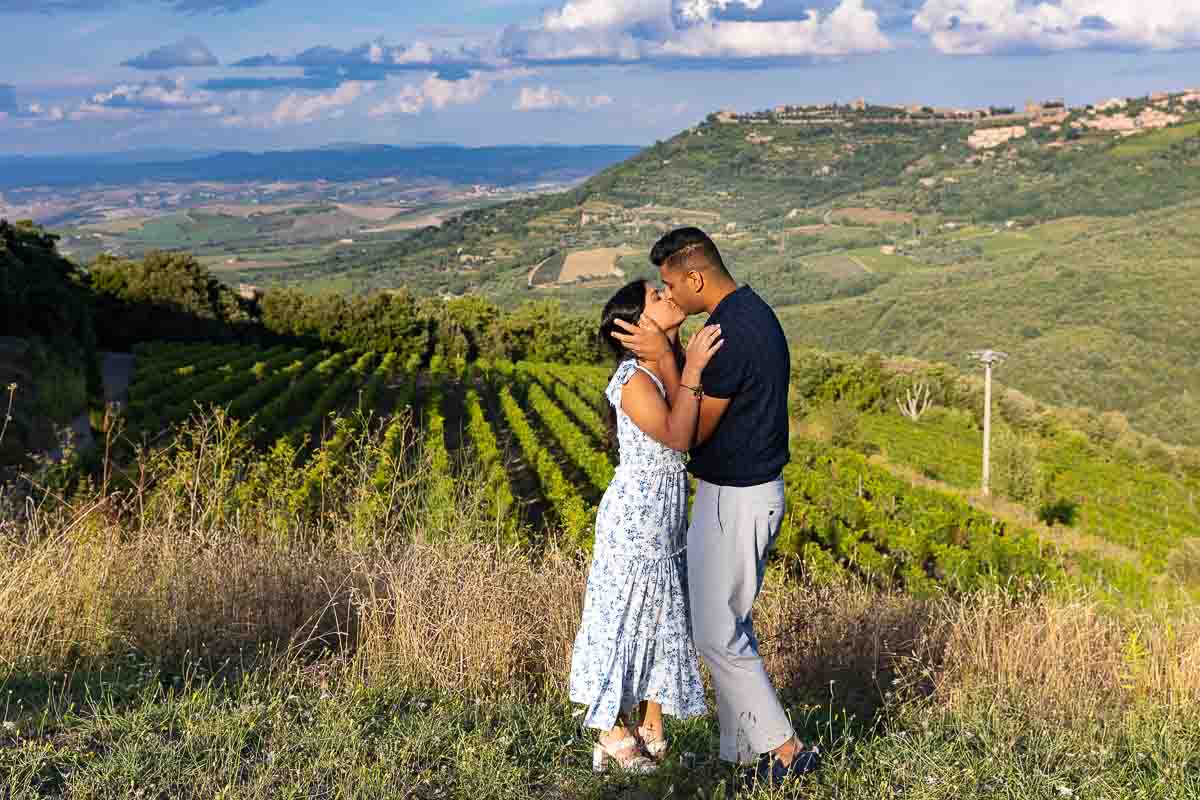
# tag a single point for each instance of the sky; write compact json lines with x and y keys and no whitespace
{"x":86,"y":76}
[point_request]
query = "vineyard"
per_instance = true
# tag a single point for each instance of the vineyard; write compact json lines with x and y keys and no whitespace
{"x":537,"y":435}
{"x":1146,"y":510}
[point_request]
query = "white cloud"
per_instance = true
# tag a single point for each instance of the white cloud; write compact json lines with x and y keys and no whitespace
{"x":544,"y":98}
{"x":47,"y":113}
{"x":437,"y":93}
{"x":580,"y":15}
{"x":702,"y":10}
{"x":128,"y":100}
{"x":990,"y":26}
{"x":297,"y":108}
{"x":622,"y":31}
{"x":849,"y":28}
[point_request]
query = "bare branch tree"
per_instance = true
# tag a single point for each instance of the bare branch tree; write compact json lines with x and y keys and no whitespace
{"x":917,"y":401}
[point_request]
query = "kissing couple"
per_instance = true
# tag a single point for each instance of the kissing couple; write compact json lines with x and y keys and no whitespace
{"x":661,"y":591}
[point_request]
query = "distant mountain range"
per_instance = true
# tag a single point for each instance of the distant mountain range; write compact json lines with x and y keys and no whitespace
{"x":498,"y":166}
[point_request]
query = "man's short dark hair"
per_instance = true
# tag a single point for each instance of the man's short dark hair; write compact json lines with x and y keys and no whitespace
{"x":690,"y":246}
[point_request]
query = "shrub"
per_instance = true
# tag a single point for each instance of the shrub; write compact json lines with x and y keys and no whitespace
{"x":1109,"y":427}
{"x":1016,"y":473}
{"x":1157,"y":455}
{"x":1188,"y":459}
{"x":951,"y":417}
{"x":1018,"y":409}
{"x":1059,"y":511}
{"x":1183,"y":563}
{"x":845,"y":429}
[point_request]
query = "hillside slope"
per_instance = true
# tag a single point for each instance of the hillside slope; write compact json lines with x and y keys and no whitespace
{"x":1093,"y":312}
{"x":762,"y":176}
{"x":1061,"y":236}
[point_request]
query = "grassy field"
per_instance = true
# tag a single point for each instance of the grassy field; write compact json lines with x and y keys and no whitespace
{"x":196,"y":638}
{"x":1060,"y":256}
{"x":1156,"y":141}
{"x":597,"y":263}
{"x":1149,"y":511}
{"x":1077,"y":305}
{"x":882,"y":263}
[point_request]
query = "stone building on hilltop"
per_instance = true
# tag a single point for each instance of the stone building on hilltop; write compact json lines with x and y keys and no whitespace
{"x":988,"y":138}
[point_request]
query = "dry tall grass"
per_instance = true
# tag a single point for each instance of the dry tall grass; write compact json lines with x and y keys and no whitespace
{"x":409,"y":603}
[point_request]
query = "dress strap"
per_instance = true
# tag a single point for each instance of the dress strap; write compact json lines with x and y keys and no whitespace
{"x":661,"y":389}
{"x":620,"y":377}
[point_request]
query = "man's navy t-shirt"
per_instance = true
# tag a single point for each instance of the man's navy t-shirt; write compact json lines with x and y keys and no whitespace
{"x":752,"y":369}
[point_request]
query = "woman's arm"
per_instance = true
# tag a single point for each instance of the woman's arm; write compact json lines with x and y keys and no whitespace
{"x":673,"y":423}
{"x":670,"y":367}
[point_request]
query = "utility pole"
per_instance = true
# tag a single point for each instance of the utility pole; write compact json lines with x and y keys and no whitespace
{"x":988,"y":358}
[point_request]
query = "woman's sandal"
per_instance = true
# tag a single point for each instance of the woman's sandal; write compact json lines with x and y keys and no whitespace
{"x":656,"y":747}
{"x":625,"y":753}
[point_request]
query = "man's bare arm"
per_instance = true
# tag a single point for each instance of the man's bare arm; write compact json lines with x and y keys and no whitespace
{"x":711,"y":411}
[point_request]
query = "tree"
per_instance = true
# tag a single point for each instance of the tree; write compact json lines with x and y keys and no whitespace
{"x":169,"y":296}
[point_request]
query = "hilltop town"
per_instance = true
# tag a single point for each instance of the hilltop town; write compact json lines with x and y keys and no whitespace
{"x":992,"y":126}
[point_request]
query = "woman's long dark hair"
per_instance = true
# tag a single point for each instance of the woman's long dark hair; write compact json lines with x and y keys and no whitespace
{"x":628,"y":304}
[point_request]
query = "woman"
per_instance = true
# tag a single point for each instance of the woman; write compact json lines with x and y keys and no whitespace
{"x":634,"y":646}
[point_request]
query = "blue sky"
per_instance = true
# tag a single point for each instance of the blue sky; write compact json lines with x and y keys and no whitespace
{"x":106,"y":75}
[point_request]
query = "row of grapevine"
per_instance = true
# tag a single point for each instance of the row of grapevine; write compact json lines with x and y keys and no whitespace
{"x":372,"y":392}
{"x":213,"y":387}
{"x":159,"y":355}
{"x":328,"y":463}
{"x":272,"y":384}
{"x":333,"y":395}
{"x":1146,"y":510}
{"x":563,"y":497}
{"x":276,"y":417}
{"x":574,"y":443}
{"x":157,"y":381}
{"x":586,"y":381}
{"x":437,"y":457}
{"x":330,"y":456}
{"x":491,"y":460}
{"x":394,"y":435}
{"x":844,"y":512}
{"x":583,"y":412}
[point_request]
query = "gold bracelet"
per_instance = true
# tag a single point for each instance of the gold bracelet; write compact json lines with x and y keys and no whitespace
{"x":696,"y":390}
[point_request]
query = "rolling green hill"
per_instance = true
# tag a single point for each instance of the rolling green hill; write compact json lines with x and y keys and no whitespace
{"x":1069,"y":247}
{"x":1093,"y":312}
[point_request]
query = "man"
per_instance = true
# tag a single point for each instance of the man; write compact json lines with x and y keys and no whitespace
{"x":741,"y":448}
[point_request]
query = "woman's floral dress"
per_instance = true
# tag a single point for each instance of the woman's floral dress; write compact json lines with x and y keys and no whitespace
{"x":635,"y":642}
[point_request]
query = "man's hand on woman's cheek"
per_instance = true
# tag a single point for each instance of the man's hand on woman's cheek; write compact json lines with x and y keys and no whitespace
{"x":647,"y":341}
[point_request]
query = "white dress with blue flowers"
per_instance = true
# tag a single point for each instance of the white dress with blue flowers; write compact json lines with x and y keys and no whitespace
{"x":635,"y":642}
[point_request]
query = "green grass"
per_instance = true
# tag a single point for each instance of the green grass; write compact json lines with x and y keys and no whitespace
{"x":1156,"y":141}
{"x":289,"y":738}
{"x":369,"y":640}
{"x":1136,"y":506}
{"x":835,"y":265}
{"x":1008,"y":243}
{"x":882,"y":263}
{"x":1081,"y":312}
{"x":193,"y":229}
